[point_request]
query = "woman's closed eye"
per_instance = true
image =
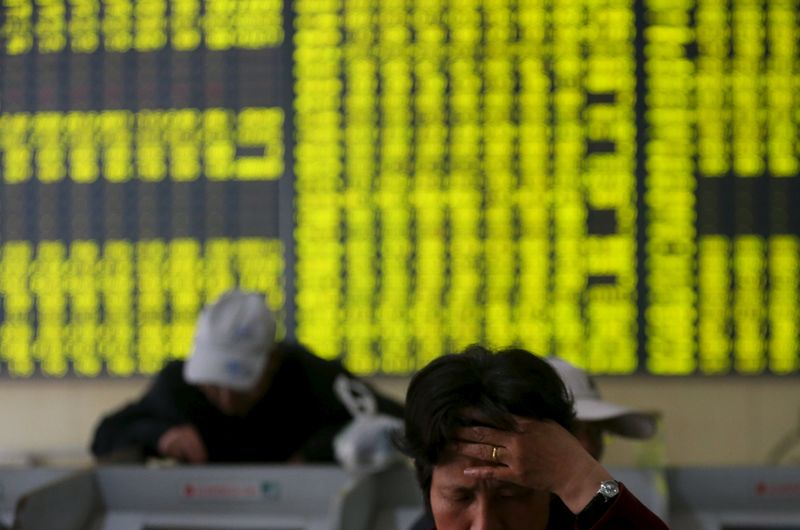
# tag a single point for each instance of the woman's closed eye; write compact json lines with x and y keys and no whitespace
{"x":513,"y":492}
{"x":460,"y":495}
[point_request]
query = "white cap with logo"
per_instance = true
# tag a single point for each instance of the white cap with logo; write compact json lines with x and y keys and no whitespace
{"x":589,"y":406}
{"x":232,"y":341}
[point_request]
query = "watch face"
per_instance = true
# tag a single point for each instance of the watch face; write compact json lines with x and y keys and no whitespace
{"x":609,"y":489}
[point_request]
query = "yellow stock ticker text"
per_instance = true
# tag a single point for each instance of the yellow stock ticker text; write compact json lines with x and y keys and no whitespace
{"x":121,"y":307}
{"x":85,"y":26}
{"x":150,"y":145}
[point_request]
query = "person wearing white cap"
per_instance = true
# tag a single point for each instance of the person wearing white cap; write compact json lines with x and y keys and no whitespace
{"x":240,"y":396}
{"x":594,"y":416}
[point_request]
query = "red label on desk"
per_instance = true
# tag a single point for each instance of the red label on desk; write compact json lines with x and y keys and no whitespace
{"x":228,"y":491}
{"x":782,"y":489}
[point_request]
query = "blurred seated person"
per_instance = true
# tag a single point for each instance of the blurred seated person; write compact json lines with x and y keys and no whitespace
{"x":239,"y":397}
{"x":594,"y":417}
{"x":489,"y":434}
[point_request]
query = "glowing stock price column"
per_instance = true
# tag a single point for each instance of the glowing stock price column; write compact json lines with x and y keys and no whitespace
{"x":117,"y":25}
{"x":46,"y":137}
{"x":713,"y":121}
{"x":84,"y":302}
{"x":749,"y":163}
{"x":16,"y":146}
{"x":219,"y":148}
{"x":260,"y":128}
{"x":17,"y":28}
{"x":152,"y":300}
{"x":16,"y":330}
{"x":783,"y":261}
{"x":784,"y":309}
{"x":463,"y":312}
{"x":712,"y":31}
{"x":569,"y":210}
{"x":670,"y":312}
{"x":47,"y":286}
{"x":260,"y":266}
{"x":360,"y":129}
{"x":116,"y":144}
{"x":184,"y":144}
{"x":533,"y":318}
{"x":427,"y":197}
{"x":150,"y":25}
{"x":392,"y":185}
{"x":50,"y":26}
{"x":83,"y":27}
{"x":184,"y":28}
{"x":82,"y":153}
{"x":318,"y":175}
{"x":781,"y":93}
{"x":747,"y":114}
{"x":151,"y":148}
{"x":714,"y":304}
{"x":117,"y":288}
{"x":249,"y":25}
{"x":219,"y":267}
{"x":184,"y":284}
{"x":500,"y":170}
{"x":749,"y":275}
{"x":610,"y":184}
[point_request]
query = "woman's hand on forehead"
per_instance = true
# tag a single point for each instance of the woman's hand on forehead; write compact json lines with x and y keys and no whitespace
{"x":538,"y":454}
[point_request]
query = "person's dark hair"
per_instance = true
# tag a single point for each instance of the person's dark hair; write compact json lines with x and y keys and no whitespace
{"x":490,"y":386}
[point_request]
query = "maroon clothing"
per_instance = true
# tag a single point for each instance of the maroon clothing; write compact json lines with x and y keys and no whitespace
{"x":625,"y":512}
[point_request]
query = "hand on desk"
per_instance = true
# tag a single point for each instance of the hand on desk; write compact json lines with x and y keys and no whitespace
{"x":183,"y":443}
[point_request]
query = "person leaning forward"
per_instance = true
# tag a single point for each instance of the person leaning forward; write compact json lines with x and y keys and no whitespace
{"x":489,"y":437}
{"x":239,"y":397}
{"x":595,"y":416}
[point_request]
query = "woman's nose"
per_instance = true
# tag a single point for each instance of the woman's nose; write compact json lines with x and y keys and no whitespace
{"x":485,"y":515}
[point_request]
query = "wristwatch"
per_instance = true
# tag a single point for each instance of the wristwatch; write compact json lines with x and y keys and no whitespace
{"x":608,"y":490}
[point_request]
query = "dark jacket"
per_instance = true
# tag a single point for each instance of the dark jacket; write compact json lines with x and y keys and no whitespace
{"x":299,"y":415}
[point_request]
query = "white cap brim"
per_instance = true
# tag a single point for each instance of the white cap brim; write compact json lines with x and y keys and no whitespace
{"x":617,"y":419}
{"x":235,"y":370}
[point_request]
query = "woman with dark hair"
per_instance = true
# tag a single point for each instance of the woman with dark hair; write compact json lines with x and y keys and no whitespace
{"x":489,"y":436}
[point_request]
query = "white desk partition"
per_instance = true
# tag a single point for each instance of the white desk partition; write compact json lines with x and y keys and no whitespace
{"x":17,"y":481}
{"x":218,"y":498}
{"x":328,"y":498}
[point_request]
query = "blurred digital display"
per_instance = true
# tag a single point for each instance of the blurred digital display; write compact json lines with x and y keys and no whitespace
{"x":142,"y":147}
{"x":611,"y":181}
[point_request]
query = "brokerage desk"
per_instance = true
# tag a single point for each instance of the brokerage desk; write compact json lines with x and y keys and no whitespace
{"x":222,"y":498}
{"x":328,"y":498}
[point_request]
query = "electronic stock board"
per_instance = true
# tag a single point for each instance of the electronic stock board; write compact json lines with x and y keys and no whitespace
{"x":611,"y":181}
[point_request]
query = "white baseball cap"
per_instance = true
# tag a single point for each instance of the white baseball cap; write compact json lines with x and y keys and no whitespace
{"x":232,"y":342}
{"x":589,"y":406}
